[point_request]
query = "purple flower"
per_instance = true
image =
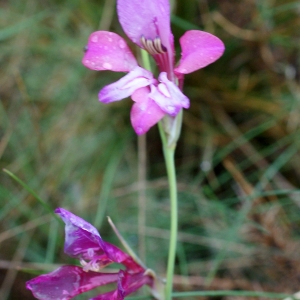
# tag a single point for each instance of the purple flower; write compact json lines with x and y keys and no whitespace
{"x":83,"y":241}
{"x":147,"y":24}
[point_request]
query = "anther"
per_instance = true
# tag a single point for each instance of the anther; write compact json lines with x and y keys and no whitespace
{"x":153,"y":46}
{"x":158,"y":45}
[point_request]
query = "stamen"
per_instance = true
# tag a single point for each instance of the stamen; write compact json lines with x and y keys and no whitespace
{"x":95,"y":267}
{"x":90,"y":266}
{"x":153,"y":46}
{"x":83,"y":262}
{"x":150,"y":48}
{"x":158,"y":45}
{"x":143,"y":41}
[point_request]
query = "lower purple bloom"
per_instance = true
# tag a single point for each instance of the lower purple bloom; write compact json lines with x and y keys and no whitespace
{"x":83,"y":241}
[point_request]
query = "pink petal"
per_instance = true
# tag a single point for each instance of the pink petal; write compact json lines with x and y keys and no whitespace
{"x":127,"y":284}
{"x":199,"y":49}
{"x":125,"y":87}
{"x":149,"y":19}
{"x":168,"y":96}
{"x":130,"y":283}
{"x":108,"y":51}
{"x":67,"y":282}
{"x":145,"y":112}
{"x":117,"y":255}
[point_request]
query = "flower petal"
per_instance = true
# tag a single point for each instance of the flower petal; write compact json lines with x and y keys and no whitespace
{"x":145,"y":112}
{"x":125,"y":87}
{"x":130,"y":283}
{"x":149,"y":19}
{"x":108,"y":51}
{"x":127,"y":284}
{"x":81,"y":236}
{"x":83,"y":241}
{"x":199,"y":49}
{"x":66,"y":282}
{"x":112,"y":295}
{"x":117,"y":255}
{"x":168,"y":96}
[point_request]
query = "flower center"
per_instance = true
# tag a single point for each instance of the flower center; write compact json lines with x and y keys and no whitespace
{"x":153,"y":46}
{"x":160,"y":55}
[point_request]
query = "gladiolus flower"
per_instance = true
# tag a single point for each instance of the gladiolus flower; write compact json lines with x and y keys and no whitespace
{"x":108,"y":51}
{"x":147,"y":24}
{"x":83,"y":241}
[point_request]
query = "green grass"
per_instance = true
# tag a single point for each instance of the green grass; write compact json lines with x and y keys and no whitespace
{"x":237,"y":159}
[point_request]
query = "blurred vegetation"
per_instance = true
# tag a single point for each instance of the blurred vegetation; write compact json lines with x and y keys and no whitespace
{"x":238,"y":157}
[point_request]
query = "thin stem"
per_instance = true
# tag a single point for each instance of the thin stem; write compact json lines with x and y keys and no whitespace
{"x":34,"y":194}
{"x":169,"y":152}
{"x":146,"y":60}
{"x":169,"y":157}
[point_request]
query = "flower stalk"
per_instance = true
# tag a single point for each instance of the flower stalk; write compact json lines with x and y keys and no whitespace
{"x":169,"y":147}
{"x":169,"y":152}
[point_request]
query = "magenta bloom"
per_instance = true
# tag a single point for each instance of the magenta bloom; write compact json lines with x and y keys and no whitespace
{"x":83,"y":241}
{"x":147,"y":24}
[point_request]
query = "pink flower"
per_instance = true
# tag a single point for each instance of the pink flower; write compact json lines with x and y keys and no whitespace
{"x":147,"y":23}
{"x":153,"y":98}
{"x":83,"y":241}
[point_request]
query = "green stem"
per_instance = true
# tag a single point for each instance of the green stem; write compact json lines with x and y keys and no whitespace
{"x":169,"y":152}
{"x":146,"y":60}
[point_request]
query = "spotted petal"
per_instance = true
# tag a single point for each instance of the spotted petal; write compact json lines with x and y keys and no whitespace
{"x":148,"y":19}
{"x":108,"y":51}
{"x":145,"y":112}
{"x":168,"y":96}
{"x":125,"y":87}
{"x":199,"y":49}
{"x":66,"y":282}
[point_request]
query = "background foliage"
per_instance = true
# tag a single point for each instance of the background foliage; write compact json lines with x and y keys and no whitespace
{"x":238,"y":157}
